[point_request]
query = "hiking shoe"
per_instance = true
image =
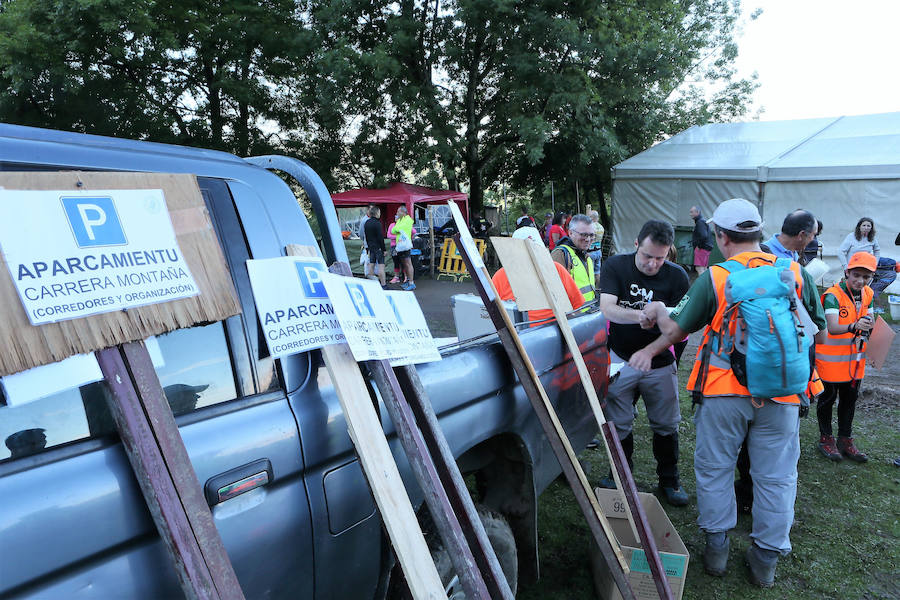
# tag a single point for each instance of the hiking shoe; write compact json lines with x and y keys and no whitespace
{"x":593,"y":444}
{"x":607,"y":483}
{"x":828,"y":448}
{"x":675,"y":496}
{"x":846,"y":447}
{"x":715,"y":554}
{"x":395,"y":280}
{"x":761,"y":565}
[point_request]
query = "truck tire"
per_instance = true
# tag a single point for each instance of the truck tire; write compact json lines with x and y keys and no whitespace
{"x":499,"y":534}
{"x":501,"y":537}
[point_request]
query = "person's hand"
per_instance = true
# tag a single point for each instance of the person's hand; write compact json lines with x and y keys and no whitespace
{"x":655,"y":310}
{"x":641,"y":360}
{"x":645,"y":321}
{"x":865,"y":323}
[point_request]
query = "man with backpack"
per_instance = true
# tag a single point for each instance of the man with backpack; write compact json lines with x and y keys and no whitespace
{"x":761,"y":316}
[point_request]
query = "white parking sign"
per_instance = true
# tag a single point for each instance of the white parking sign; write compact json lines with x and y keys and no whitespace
{"x":293,"y":305}
{"x":77,"y":253}
{"x":367,"y":319}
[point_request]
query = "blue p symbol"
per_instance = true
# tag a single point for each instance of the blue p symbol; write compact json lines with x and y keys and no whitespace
{"x":359,"y":300}
{"x":311,"y":279}
{"x":94,"y":221}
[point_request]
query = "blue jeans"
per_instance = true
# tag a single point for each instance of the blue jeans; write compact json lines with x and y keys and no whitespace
{"x":596,"y":256}
{"x":884,"y":276}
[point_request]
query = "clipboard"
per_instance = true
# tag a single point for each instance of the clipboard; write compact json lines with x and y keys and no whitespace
{"x":879,"y":344}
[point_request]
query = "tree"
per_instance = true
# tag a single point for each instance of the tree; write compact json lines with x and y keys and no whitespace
{"x":489,"y":89}
{"x":191,"y":72}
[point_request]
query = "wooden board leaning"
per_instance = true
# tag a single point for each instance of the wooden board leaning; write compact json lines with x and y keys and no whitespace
{"x":556,"y":435}
{"x":527,"y":263}
{"x":136,"y":400}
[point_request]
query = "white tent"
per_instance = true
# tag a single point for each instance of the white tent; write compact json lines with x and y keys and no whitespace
{"x":841,"y":169}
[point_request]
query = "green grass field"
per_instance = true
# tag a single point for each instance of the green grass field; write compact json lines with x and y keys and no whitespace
{"x":846,"y":535}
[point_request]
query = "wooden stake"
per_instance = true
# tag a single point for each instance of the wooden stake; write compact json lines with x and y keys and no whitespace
{"x":165,"y":475}
{"x":637,"y":518}
{"x":378,"y":464}
{"x":556,"y":435}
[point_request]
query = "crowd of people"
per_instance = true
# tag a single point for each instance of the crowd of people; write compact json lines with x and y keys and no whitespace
{"x":758,"y":304}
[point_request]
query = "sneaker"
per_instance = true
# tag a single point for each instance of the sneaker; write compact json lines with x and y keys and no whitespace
{"x":593,"y":444}
{"x":395,"y":279}
{"x":715,"y":554}
{"x":846,"y":447}
{"x":410,"y":286}
{"x":675,"y":496}
{"x":761,"y":563}
{"x":828,"y":448}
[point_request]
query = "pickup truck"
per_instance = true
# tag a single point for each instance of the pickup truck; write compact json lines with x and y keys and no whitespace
{"x":73,"y":523}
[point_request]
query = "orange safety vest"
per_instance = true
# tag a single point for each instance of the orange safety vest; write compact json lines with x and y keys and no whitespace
{"x":719,"y":379}
{"x":843,"y":357}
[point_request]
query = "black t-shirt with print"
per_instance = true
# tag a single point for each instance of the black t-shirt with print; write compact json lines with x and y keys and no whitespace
{"x":621,"y":278}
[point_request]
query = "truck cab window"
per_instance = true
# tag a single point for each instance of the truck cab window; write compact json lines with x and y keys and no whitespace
{"x":56,"y":404}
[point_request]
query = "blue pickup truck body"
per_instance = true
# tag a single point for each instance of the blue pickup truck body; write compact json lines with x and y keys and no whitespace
{"x":73,"y":523}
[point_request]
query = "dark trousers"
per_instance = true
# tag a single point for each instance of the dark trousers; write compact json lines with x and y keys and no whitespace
{"x":848,"y":392}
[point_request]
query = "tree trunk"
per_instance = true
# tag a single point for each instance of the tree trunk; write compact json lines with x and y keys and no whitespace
{"x":216,"y":122}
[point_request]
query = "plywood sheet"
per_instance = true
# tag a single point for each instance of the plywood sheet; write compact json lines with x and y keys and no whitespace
{"x":25,"y":346}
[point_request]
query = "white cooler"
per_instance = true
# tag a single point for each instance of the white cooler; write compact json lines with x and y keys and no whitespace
{"x":471,"y":317}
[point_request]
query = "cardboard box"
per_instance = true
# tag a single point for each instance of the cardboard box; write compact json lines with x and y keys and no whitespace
{"x":673,"y":553}
{"x":471,"y":317}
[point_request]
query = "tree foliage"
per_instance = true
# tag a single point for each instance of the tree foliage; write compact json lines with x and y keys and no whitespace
{"x":462,"y":93}
{"x":205,"y":73}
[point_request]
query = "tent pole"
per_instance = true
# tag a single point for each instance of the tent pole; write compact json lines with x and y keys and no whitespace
{"x":431,"y":237}
{"x":552,"y":199}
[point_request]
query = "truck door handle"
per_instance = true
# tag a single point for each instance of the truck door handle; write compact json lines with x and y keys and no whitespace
{"x":237,"y":481}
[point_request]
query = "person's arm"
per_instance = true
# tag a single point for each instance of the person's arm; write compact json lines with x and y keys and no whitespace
{"x":555,"y":237}
{"x":844,"y":250}
{"x":876,"y":249}
{"x":391,"y":235}
{"x":643,"y":358}
{"x":672,"y":333}
{"x":835,"y":328}
{"x":618,"y":314}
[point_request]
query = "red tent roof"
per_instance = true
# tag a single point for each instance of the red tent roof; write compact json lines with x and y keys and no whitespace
{"x":401,"y":193}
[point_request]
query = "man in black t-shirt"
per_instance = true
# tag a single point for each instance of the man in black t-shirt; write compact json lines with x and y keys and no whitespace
{"x":375,"y":242}
{"x":628,"y":282}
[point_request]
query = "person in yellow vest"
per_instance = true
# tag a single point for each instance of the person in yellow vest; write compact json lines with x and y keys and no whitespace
{"x":572,"y":253}
{"x":841,"y":359}
{"x":727,"y":413}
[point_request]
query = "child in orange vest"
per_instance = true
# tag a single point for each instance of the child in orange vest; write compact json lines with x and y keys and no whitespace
{"x":841,"y":360}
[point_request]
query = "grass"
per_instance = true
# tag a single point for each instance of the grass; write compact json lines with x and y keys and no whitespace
{"x":846,"y":534}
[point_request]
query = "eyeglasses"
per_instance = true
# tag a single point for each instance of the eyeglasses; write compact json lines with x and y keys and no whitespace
{"x":586,"y":236}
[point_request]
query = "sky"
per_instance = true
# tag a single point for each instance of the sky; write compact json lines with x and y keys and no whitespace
{"x":822,"y":58}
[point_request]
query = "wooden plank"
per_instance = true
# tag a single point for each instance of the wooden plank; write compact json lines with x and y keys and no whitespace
{"x":378,"y":464}
{"x":556,"y":435}
{"x":155,"y":480}
{"x":453,"y":482}
{"x":541,"y":266}
{"x":29,"y":346}
{"x":425,"y":467}
{"x":162,"y":424}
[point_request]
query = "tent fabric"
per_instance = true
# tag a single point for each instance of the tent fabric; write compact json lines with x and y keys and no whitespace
{"x":391,"y":197}
{"x":841,"y":169}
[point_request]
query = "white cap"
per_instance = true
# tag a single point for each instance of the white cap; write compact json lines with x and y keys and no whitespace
{"x":529,"y":233}
{"x":737,"y":215}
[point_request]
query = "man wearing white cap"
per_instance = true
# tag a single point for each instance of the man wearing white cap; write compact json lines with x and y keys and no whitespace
{"x":727,"y":413}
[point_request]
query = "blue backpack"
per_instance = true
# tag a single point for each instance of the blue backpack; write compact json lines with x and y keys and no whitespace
{"x":762,"y":332}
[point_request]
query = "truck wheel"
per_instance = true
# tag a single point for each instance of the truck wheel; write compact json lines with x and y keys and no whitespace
{"x":501,"y":537}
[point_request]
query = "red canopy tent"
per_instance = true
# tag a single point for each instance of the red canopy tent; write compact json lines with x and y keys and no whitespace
{"x":391,"y":197}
